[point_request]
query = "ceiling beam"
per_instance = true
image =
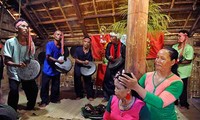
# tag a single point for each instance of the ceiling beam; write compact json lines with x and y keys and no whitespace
{"x":113,"y":10}
{"x":180,"y":9}
{"x":85,"y":18}
{"x":95,"y":10}
{"x":80,"y":18}
{"x":34,"y":25}
{"x":70,"y":28}
{"x":187,"y":20}
{"x":192,"y":30}
{"x":39,"y":20}
{"x":47,"y":10}
{"x":172,"y":5}
{"x":195,"y":25}
{"x":36,"y":2}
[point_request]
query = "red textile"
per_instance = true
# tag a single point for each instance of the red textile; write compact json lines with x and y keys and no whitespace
{"x":100,"y":74}
{"x":1,"y":46}
{"x":98,"y":48}
{"x":112,"y":50}
{"x":156,"y":43}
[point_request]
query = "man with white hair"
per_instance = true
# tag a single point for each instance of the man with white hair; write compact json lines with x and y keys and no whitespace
{"x":114,"y":50}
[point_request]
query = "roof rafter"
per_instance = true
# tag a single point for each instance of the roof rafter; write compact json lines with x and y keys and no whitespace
{"x":80,"y":18}
{"x":47,"y":10}
{"x":179,"y":9}
{"x":36,"y":2}
{"x":35,"y":26}
{"x":95,"y":10}
{"x":113,"y":10}
{"x":75,"y":18}
{"x":192,"y":30}
{"x":70,"y":28}
{"x":187,"y":19}
{"x":38,"y":19}
{"x":172,"y":5}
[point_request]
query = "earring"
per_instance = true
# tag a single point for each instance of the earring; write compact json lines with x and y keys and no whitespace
{"x":128,"y":96}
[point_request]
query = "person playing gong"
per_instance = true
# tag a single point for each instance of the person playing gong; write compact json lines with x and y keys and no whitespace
{"x":83,"y":55}
{"x":17,"y":54}
{"x":54,"y":49}
{"x":114,"y":50}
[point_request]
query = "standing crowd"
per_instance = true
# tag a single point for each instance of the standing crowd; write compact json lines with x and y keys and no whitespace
{"x":151,"y":97}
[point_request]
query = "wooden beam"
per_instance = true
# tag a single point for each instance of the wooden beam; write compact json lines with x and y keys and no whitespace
{"x":180,"y":26}
{"x":137,"y":35}
{"x":192,"y":30}
{"x":70,"y":5}
{"x":172,"y":5}
{"x":34,"y":25}
{"x":36,"y":2}
{"x":7,"y":29}
{"x":70,"y":28}
{"x":113,"y":11}
{"x":195,"y":25}
{"x":85,"y":18}
{"x":95,"y":10}
{"x":102,"y":15}
{"x":80,"y":18}
{"x":177,"y":3}
{"x":187,"y":19}
{"x":178,"y":9}
{"x":194,"y":5}
{"x":47,"y":10}
{"x":39,"y":20}
{"x":1,"y":17}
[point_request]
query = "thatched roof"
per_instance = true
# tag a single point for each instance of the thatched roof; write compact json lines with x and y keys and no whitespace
{"x":77,"y":18}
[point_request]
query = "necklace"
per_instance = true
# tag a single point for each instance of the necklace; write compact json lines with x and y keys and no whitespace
{"x":126,"y":107}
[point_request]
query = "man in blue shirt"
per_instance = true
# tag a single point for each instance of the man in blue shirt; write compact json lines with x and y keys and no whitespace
{"x":82,"y":56}
{"x":49,"y":72}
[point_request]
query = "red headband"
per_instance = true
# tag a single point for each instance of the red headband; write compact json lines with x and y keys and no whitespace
{"x":31,"y":47}
{"x":19,"y":23}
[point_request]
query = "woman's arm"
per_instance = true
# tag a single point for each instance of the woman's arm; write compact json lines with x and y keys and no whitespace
{"x":168,"y":96}
{"x":106,"y":115}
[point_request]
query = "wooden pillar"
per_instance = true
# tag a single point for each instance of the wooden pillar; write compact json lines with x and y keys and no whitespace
{"x":137,"y":36}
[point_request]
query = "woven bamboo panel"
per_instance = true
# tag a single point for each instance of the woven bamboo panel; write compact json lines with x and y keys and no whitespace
{"x":194,"y":87}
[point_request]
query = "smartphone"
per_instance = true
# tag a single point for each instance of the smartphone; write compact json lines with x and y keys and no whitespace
{"x":129,"y":74}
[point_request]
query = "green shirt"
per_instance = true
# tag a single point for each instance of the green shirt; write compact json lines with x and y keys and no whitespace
{"x":160,"y":99}
{"x":184,"y":70}
{"x":18,"y":53}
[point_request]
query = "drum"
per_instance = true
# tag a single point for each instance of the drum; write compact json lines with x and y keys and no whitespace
{"x":41,"y":57}
{"x":30,"y":72}
{"x":65,"y":67}
{"x":116,"y":63}
{"x":88,"y":69}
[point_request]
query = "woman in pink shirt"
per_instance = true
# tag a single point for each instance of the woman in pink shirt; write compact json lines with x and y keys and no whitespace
{"x":124,"y":105}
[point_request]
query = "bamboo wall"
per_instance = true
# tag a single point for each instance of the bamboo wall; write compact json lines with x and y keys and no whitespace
{"x":194,"y":84}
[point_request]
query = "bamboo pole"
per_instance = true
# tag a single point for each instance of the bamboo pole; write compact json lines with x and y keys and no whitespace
{"x":137,"y":35}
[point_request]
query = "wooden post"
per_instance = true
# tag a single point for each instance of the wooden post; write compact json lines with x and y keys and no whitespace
{"x":137,"y":36}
